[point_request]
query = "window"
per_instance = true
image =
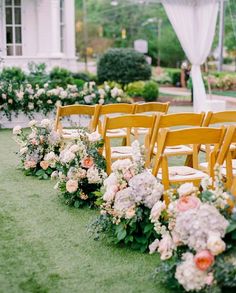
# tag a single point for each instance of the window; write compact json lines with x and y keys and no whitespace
{"x":62,"y":25}
{"x":13,"y":27}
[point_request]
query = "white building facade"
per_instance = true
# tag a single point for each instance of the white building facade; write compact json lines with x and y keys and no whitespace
{"x":42,"y":31}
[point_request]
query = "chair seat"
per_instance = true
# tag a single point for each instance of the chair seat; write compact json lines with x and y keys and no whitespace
{"x":183,"y":173}
{"x":204,"y":166}
{"x":116,"y":133}
{"x":69,"y":133}
{"x":139,"y":131}
{"x":176,"y":150}
{"x":120,"y":152}
{"x":232,"y":147}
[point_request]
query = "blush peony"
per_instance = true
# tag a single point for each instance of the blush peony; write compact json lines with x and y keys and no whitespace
{"x":203,"y":260}
{"x":188,"y":202}
{"x":71,"y":186}
{"x":44,"y":165}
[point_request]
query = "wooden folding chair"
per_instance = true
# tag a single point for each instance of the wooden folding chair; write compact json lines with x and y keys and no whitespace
{"x":225,"y":159}
{"x":151,"y":108}
{"x":63,"y":111}
{"x":112,"y":110}
{"x":216,"y":119}
{"x":127,"y":121}
{"x":180,"y":120}
{"x":191,"y":136}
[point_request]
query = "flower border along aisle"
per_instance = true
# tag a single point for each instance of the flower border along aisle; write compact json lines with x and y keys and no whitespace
{"x":128,"y":195}
{"x":81,"y":170}
{"x":196,"y":238}
{"x":39,"y":149}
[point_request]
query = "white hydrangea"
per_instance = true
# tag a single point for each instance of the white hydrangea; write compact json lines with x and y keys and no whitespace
{"x":189,"y":276}
{"x":194,"y":226}
{"x":146,"y":188}
{"x":66,"y":156}
{"x":94,"y":176}
{"x":124,"y":200}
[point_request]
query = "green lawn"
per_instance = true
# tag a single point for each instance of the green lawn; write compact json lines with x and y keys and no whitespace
{"x":225,"y":93}
{"x":45,"y":246}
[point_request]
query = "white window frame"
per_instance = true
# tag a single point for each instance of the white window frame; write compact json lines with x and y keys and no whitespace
{"x":13,"y":25}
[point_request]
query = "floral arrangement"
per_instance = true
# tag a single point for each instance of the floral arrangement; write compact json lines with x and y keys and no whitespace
{"x":28,"y":99}
{"x":128,"y":195}
{"x":81,"y":170}
{"x":92,"y":94}
{"x":39,"y":149}
{"x":196,"y":232}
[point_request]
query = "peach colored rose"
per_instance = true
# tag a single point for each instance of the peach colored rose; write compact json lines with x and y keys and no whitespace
{"x":87,"y":162}
{"x":71,"y":186}
{"x":188,"y":202}
{"x":44,"y":165}
{"x":130,"y":213}
{"x":215,"y":244}
{"x":29,"y":164}
{"x":203,"y":260}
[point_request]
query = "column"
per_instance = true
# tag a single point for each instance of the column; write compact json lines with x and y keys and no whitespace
{"x":69,"y":38}
{"x":55,"y":28}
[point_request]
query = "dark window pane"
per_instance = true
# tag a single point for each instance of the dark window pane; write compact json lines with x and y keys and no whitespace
{"x":61,"y":16}
{"x":17,"y":2}
{"x":17,"y":16}
{"x":9,"y":35}
{"x":18,"y":35}
{"x":8,"y":16}
{"x":8,"y":2}
{"x":10,"y":51}
{"x":18,"y":50}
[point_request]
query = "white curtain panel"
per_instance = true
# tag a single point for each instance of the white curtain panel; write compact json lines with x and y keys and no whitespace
{"x":194,"y":22}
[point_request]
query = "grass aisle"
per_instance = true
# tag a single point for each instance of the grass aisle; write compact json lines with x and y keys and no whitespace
{"x":45,"y":247}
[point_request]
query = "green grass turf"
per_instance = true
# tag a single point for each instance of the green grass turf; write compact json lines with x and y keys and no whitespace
{"x":45,"y":246}
{"x":225,"y":93}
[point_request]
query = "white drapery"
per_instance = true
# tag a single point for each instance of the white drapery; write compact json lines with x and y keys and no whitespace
{"x":194,"y":22}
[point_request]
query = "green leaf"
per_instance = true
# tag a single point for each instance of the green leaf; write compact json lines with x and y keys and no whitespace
{"x":231,"y":227}
{"x":77,"y":204}
{"x":148,"y":228}
{"x":234,"y":235}
{"x":121,"y":232}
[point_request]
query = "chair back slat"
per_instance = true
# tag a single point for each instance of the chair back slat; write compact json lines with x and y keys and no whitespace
{"x":219,"y":117}
{"x":152,"y":107}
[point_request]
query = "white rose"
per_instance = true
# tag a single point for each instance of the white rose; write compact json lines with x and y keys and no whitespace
{"x":88,"y":99}
{"x":45,"y":123}
{"x":215,"y":244}
{"x":94,"y":136}
{"x":101,"y":101}
{"x":186,"y":189}
{"x":17,"y":130}
{"x":23,"y":150}
{"x":32,"y":123}
{"x":118,"y":99}
{"x":110,"y":193}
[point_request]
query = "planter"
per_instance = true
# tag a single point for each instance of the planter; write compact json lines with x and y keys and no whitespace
{"x":23,"y":120}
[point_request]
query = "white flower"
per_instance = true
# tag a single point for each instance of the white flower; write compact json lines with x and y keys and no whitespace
{"x":30,"y":106}
{"x":166,"y":246}
{"x":124,"y":200}
{"x":54,"y":175}
{"x":17,"y":130}
{"x":23,"y":150}
{"x":110,"y":193}
{"x":66,"y":156}
{"x":189,"y":276}
{"x":88,"y":99}
{"x":118,"y":99}
{"x":114,"y":92}
{"x":94,"y":176}
{"x":156,"y":211}
{"x":74,"y":148}
{"x":45,"y":123}
{"x":153,"y":246}
{"x":101,"y":101}
{"x":94,"y":136}
{"x":206,"y":182}
{"x":215,"y":244}
{"x":32,"y":123}
{"x":186,"y":189}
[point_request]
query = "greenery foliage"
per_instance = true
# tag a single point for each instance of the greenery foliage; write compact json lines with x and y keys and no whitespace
{"x":123,"y":66}
{"x":150,"y":91}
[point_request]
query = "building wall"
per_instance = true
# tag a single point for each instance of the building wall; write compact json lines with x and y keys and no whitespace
{"x":41,"y":34}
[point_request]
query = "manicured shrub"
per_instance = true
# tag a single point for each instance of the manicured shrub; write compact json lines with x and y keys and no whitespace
{"x":37,"y":74}
{"x":150,"y":91}
{"x":60,"y":77}
{"x":82,"y":76}
{"x":123,"y":66}
{"x":12,"y":74}
{"x":135,"y":89}
{"x":174,"y":74}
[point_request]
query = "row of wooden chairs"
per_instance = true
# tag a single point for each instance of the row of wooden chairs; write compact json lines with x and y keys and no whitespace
{"x":96,"y":112}
{"x":168,"y":142}
{"x":160,"y":142}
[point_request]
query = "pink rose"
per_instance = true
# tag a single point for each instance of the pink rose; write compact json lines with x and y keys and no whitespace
{"x":71,"y":186}
{"x":166,"y":246}
{"x":188,"y":202}
{"x":44,"y":165}
{"x":87,"y":162}
{"x":203,"y":260}
{"x":128,"y":175}
{"x":209,"y":279}
{"x":29,"y":164}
